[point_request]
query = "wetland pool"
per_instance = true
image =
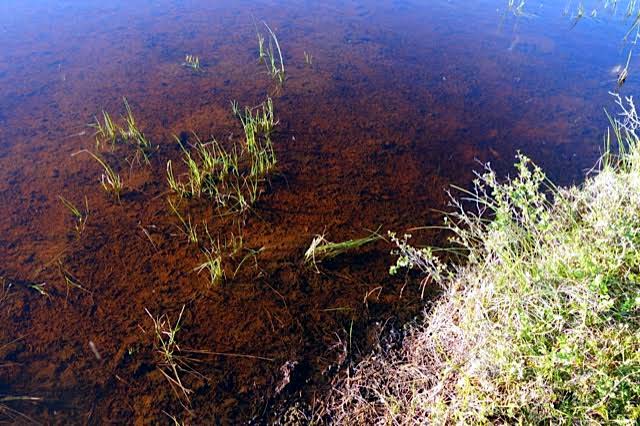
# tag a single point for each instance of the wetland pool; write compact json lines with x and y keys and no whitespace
{"x":384,"y":105}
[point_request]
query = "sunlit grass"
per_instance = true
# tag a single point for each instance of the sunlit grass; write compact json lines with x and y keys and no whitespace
{"x":230,"y":176}
{"x":192,"y":61}
{"x":540,"y":324}
{"x":213,"y":254}
{"x":188,"y":228}
{"x":107,"y":130}
{"x":323,"y":249}
{"x":80,"y":216}
{"x":109,"y":180}
{"x":274,"y":64}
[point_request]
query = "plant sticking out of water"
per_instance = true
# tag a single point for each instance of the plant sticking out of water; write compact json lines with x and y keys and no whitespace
{"x":308,"y":58}
{"x":106,"y":130}
{"x":257,"y":130}
{"x":80,"y":216}
{"x":133,"y":135}
{"x":322,"y":249}
{"x":171,"y":362}
{"x":70,"y":280}
{"x":109,"y":131}
{"x":624,"y":73}
{"x":275,"y":65}
{"x":261,"y":52}
{"x":110,"y":179}
{"x":213,"y":261}
{"x":189,"y":230}
{"x":39,"y":288}
{"x":193,"y":62}
{"x":231,"y":177}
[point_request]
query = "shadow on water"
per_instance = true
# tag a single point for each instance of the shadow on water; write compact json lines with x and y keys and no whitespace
{"x":400,"y":100}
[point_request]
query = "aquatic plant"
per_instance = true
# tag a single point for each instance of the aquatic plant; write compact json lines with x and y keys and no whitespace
{"x":80,"y":217}
{"x":541,"y":321}
{"x":231,"y":177}
{"x":322,"y":249}
{"x":110,"y":180}
{"x":189,"y":230}
{"x":213,"y":261}
{"x":275,"y":65}
{"x":109,"y":131}
{"x":308,"y":58}
{"x":106,"y":130}
{"x":192,"y":62}
{"x":171,"y":363}
{"x":133,"y":135}
{"x":70,"y":280}
{"x":261,"y":52}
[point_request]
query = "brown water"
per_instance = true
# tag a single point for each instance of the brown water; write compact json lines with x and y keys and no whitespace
{"x":403,"y":98}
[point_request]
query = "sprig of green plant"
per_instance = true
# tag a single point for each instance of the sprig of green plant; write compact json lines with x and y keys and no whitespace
{"x":105,"y":130}
{"x":171,"y":363}
{"x":188,"y":228}
{"x":110,"y":131}
{"x":80,"y":217}
{"x":261,"y":52}
{"x":308,"y":58}
{"x":275,"y":66}
{"x":192,"y":61}
{"x":323,"y":249}
{"x":110,"y":180}
{"x":134,"y":135}
{"x":212,"y":263}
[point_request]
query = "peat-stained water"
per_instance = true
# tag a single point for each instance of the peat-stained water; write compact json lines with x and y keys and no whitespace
{"x":402,"y":99}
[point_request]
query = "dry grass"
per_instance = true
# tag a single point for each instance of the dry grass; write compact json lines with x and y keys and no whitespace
{"x":540,"y":325}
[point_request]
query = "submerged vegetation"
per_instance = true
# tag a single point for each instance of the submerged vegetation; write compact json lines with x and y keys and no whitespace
{"x":308,"y":58}
{"x":231,"y":177}
{"x":80,"y":216}
{"x":110,"y":179}
{"x":322,"y":249}
{"x":171,"y":362}
{"x":107,"y":130}
{"x":540,"y":324}
{"x":275,"y":65}
{"x":213,"y":261}
{"x":192,"y":61}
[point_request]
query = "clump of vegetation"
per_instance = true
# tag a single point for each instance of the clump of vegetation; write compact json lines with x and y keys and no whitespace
{"x":213,"y":261}
{"x":80,"y":216}
{"x":190,"y":230}
{"x":231,"y":177}
{"x":110,"y":179}
{"x":322,"y":249}
{"x":275,"y":65}
{"x":540,"y":324}
{"x":192,"y":61}
{"x":172,"y":363}
{"x":308,"y":58}
{"x":109,"y":131}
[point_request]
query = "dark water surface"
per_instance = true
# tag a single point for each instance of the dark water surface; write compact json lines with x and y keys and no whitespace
{"x":403,"y":98}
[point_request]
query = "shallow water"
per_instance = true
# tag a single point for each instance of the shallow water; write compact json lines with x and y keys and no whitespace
{"x":403,"y":99}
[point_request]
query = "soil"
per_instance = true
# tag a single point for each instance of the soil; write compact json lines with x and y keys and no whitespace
{"x":400,"y":102}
